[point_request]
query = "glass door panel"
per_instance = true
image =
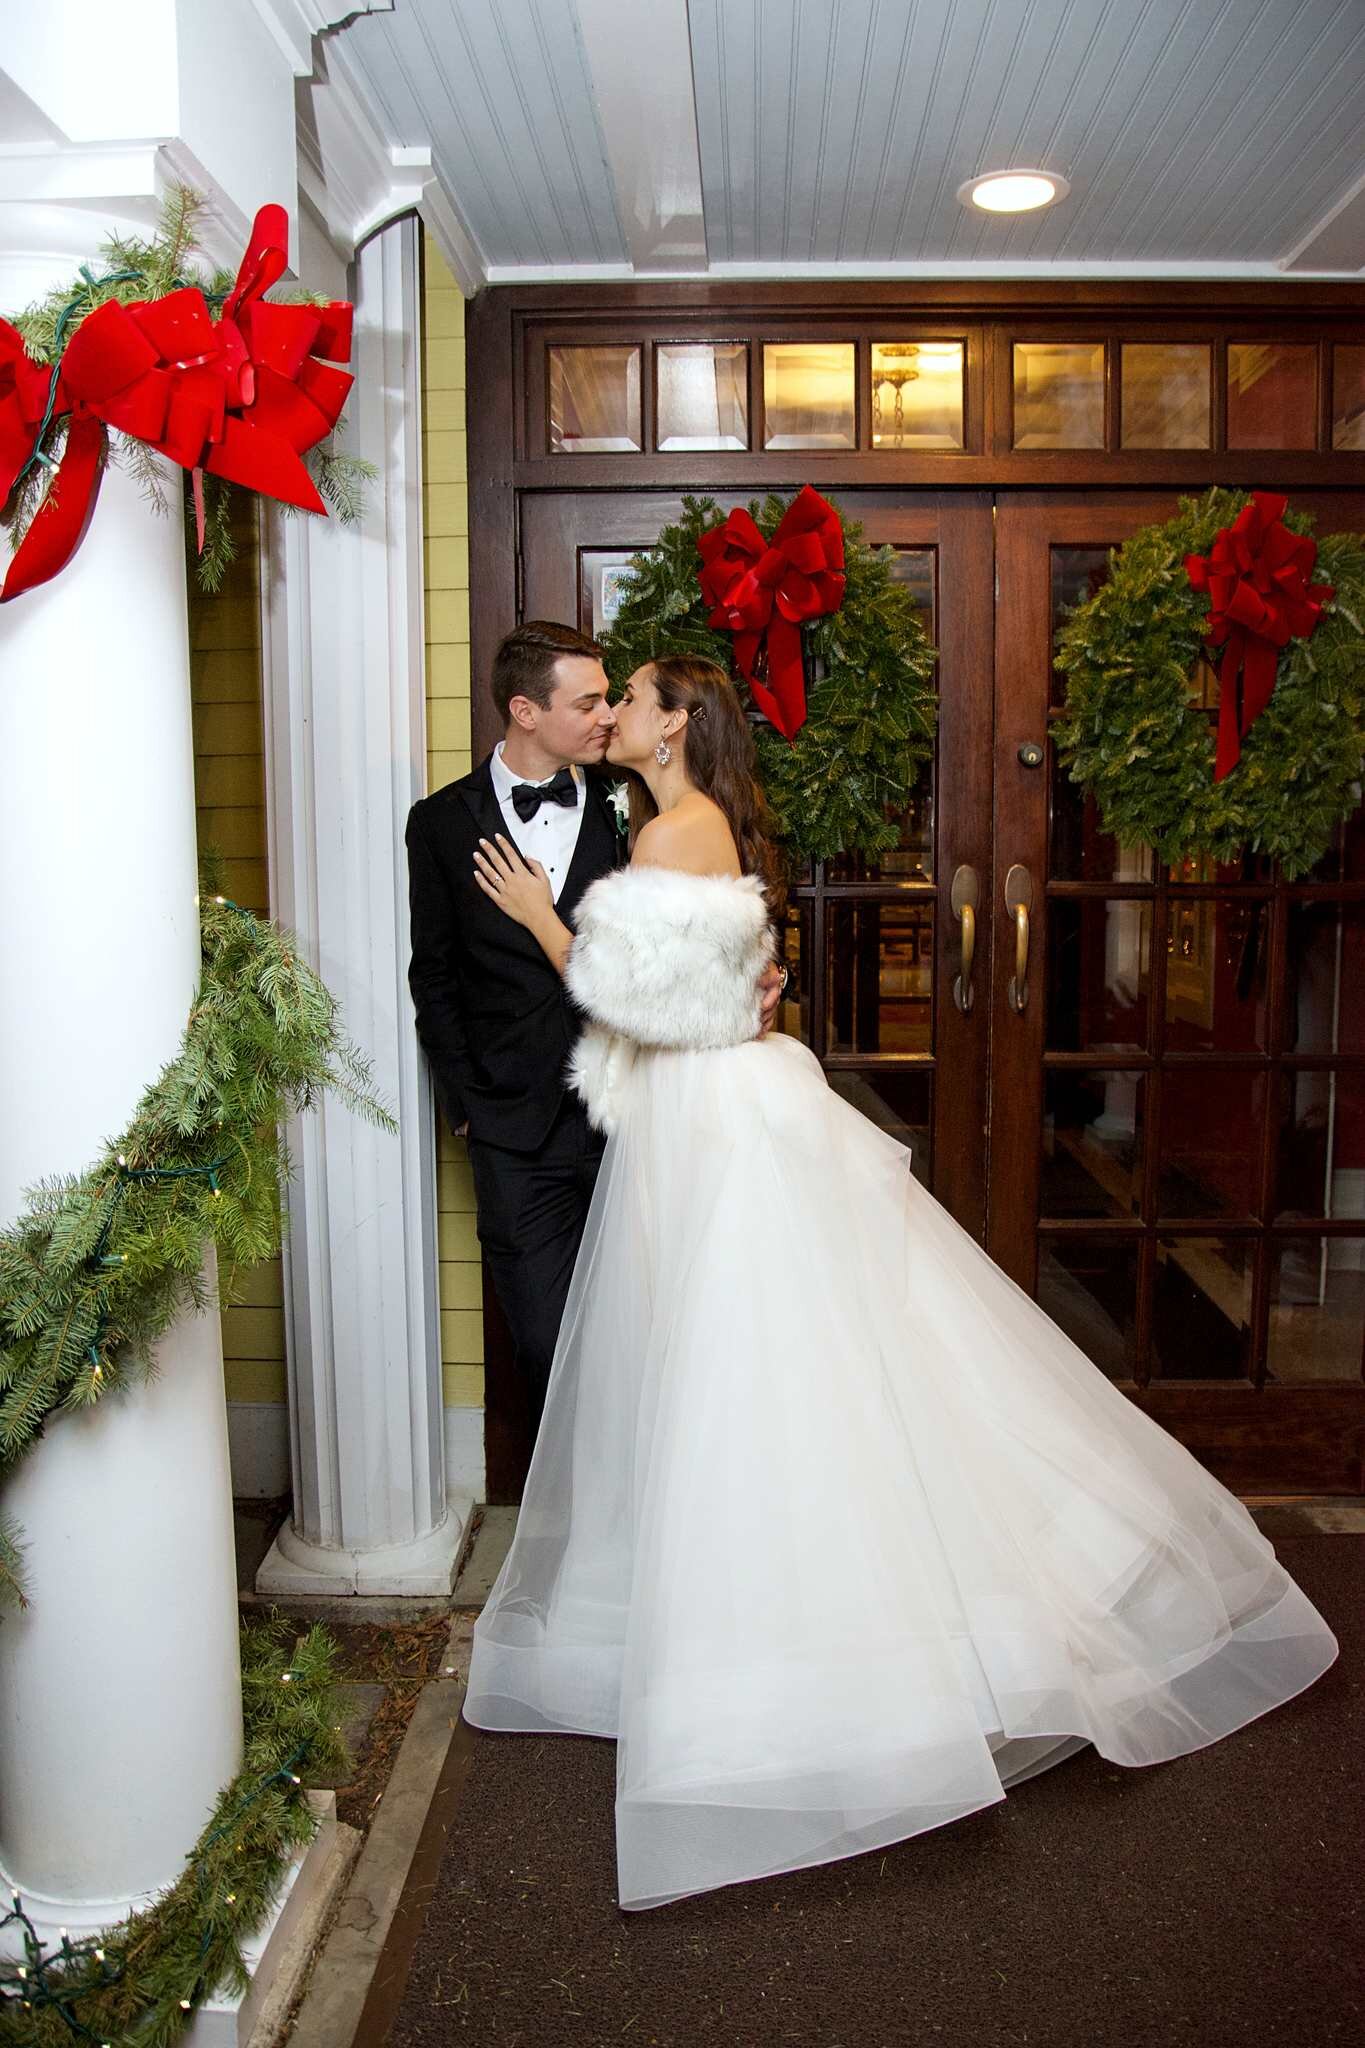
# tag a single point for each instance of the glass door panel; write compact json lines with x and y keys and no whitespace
{"x":1177,"y":1111}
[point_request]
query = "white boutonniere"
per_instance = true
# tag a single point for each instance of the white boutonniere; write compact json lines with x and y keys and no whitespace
{"x":618,"y":796}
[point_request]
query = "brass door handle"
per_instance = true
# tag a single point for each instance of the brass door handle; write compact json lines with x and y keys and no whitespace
{"x":1019,"y":901}
{"x":965,"y":894}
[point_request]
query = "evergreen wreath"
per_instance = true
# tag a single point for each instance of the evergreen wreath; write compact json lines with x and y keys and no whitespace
{"x":100,"y":1264}
{"x":1133,"y":734}
{"x":870,"y":704}
{"x":137,"y":1985}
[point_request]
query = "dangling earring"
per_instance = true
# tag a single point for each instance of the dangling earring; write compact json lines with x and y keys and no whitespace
{"x":663,"y":753}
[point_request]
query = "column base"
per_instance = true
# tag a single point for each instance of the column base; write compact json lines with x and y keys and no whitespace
{"x":429,"y":1566}
{"x":227,"y":2019}
{"x":276,"y":1954}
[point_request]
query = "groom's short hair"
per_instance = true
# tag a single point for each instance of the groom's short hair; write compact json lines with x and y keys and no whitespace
{"x":524,"y":665}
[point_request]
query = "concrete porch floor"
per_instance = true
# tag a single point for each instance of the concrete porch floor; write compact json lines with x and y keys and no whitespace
{"x":349,"y":1980}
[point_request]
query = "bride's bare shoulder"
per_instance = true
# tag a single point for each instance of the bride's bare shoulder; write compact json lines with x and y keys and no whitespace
{"x":694,"y":837}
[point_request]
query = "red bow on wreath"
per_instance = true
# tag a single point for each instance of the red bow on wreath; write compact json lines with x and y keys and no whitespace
{"x":240,"y":396}
{"x":762,"y":591}
{"x":1259,"y":600}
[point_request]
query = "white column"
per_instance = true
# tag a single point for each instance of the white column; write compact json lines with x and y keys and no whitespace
{"x":345,"y":758}
{"x":120,"y":1700}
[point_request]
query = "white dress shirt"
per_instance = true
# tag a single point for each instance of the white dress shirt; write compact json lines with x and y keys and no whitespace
{"x":552,"y":834}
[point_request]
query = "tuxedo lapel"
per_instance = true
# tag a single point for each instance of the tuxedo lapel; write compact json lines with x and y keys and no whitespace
{"x":594,"y":852}
{"x":481,"y":801}
{"x":481,"y":805}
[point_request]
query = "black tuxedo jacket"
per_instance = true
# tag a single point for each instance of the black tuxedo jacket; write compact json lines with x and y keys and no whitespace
{"x":492,"y":1014}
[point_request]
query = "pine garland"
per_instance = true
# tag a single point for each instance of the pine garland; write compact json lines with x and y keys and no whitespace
{"x":100,"y":1264}
{"x":837,"y":788}
{"x":133,"y":270}
{"x":138,"y":1985}
{"x":1132,"y":734}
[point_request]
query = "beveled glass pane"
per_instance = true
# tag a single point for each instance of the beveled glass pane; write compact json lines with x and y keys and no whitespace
{"x":912,"y":858}
{"x":1321,"y":1164}
{"x":1079,"y":849}
{"x":1325,"y":978}
{"x":1209,"y":1157}
{"x":1098,"y":963}
{"x":1201,"y":1308}
{"x":1317,"y":1311}
{"x":881,"y":973}
{"x":1090,"y":1289}
{"x":1059,"y":394}
{"x":793,"y":1012}
{"x":1077,"y":573}
{"x":703,"y":394}
{"x":1216,"y":988}
{"x":915,"y":569}
{"x":594,"y":400}
{"x":604,"y":577}
{"x":1165,"y":394}
{"x":1092,"y":1144}
{"x":808,"y":394}
{"x":901,"y":1104}
{"x":1348,"y":397}
{"x":917,"y":394}
{"x":1272,"y":394}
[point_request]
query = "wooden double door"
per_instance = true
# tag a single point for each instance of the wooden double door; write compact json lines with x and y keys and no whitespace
{"x":1141,"y":1087}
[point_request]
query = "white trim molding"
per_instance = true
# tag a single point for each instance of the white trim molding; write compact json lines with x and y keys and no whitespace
{"x":344,"y":663}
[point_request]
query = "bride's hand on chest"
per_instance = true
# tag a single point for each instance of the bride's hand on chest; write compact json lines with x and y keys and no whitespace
{"x":519,"y":887}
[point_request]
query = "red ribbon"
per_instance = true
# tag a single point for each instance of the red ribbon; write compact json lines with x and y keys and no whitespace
{"x":242,"y":396}
{"x":23,"y":400}
{"x":1259,"y":600}
{"x":763,"y":590}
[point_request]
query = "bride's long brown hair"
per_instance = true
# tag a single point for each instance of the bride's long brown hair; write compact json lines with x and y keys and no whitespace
{"x":721,"y":763}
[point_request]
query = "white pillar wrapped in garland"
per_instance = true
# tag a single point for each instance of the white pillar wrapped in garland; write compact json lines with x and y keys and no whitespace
{"x":119,"y":1688}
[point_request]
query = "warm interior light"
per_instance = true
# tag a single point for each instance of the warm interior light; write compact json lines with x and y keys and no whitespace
{"x":1013,"y":191}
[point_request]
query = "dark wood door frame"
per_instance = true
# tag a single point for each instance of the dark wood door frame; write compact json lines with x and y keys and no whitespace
{"x":510,"y":325}
{"x":509,"y":468}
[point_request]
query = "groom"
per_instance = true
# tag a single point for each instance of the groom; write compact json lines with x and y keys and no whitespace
{"x":492,"y":1014}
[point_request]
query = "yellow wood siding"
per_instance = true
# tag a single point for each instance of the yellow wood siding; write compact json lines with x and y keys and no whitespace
{"x":448,"y":741}
{"x":229,"y":787}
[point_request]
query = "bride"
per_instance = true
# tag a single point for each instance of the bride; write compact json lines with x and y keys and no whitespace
{"x":828,"y":1524}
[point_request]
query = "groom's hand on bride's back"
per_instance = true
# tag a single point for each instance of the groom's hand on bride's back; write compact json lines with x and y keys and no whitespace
{"x":771,"y":981}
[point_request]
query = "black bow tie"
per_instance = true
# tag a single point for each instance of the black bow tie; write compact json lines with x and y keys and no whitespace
{"x":527,"y":797}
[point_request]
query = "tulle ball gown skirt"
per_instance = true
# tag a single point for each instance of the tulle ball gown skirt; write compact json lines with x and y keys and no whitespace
{"x":828,"y":1524}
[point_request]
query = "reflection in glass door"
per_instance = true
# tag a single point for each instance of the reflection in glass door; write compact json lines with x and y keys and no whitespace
{"x":1178,"y":1116}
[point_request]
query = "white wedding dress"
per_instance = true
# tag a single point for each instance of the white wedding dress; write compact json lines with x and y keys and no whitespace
{"x":828,"y":1524}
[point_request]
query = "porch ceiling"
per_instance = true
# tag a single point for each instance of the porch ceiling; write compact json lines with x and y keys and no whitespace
{"x":619,"y":138}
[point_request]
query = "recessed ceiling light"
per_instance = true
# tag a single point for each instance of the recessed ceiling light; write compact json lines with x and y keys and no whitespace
{"x":1013,"y":191}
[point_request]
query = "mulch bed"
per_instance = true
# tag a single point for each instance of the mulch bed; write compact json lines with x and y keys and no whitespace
{"x":401,"y":1659}
{"x":1212,"y":1902}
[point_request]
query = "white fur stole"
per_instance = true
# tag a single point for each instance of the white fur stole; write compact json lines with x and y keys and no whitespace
{"x":662,"y":958}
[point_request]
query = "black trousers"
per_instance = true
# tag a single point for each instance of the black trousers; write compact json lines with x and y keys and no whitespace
{"x":532,"y":1208}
